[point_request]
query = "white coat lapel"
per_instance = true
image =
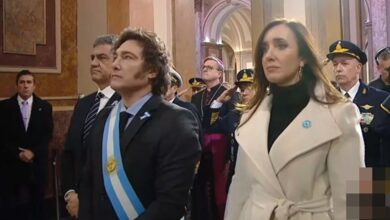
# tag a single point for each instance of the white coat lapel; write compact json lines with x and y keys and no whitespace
{"x":253,"y":138}
{"x":313,"y":126}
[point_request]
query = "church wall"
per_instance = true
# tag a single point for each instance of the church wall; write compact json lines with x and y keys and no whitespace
{"x":57,"y":87}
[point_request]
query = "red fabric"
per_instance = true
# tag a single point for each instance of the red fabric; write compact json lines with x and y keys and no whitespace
{"x":217,"y":144}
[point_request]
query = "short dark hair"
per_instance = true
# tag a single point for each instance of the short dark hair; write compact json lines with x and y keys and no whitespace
{"x":109,"y":39}
{"x":24,"y":73}
{"x":154,"y":54}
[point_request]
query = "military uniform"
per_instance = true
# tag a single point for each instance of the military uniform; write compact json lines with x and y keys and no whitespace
{"x":196,"y":84}
{"x":375,"y":120}
{"x":375,"y":123}
{"x":228,"y":123}
{"x":379,"y":84}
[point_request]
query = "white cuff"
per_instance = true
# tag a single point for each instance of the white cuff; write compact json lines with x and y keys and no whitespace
{"x":215,"y":104}
{"x":67,"y":193}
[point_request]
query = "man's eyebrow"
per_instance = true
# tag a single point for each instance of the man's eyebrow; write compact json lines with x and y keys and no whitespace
{"x":122,"y":53}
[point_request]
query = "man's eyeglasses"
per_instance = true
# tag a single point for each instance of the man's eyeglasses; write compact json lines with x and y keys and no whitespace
{"x":207,"y":68}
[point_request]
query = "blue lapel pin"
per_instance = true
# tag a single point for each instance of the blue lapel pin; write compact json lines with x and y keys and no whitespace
{"x":146,"y":115}
{"x":306,"y":124}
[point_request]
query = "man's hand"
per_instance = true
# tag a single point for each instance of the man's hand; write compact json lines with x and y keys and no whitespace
{"x":72,"y":204}
{"x":26,"y":155}
{"x":227,"y":94}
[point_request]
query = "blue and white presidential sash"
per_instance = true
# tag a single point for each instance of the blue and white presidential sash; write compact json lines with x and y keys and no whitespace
{"x":118,"y":187}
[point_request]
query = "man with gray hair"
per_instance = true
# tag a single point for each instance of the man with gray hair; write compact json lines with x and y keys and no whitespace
{"x":84,"y":116}
{"x":171,"y":95}
{"x":382,"y":60}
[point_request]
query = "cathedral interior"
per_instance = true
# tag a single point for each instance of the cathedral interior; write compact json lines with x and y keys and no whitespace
{"x":53,"y":39}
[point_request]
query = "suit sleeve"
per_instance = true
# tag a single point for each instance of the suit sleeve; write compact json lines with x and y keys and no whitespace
{"x":9,"y":149}
{"x":346,"y":156}
{"x":177,"y":157}
{"x":68,"y":157}
{"x":41,"y":148}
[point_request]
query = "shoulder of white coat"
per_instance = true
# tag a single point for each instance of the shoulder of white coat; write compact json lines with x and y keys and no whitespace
{"x":346,"y":114}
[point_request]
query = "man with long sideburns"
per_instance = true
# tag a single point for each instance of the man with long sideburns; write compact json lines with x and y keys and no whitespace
{"x":141,"y":161}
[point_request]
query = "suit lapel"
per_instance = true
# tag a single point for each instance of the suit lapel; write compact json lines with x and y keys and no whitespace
{"x":143,"y":115}
{"x":18,"y":112}
{"x":35,"y":108}
{"x":358,"y":100}
{"x":114,"y":97}
{"x":313,"y":126}
{"x":253,"y":139}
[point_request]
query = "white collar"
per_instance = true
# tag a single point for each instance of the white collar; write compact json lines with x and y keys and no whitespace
{"x":353,"y":91}
{"x":29,"y":100}
{"x":107,"y":92}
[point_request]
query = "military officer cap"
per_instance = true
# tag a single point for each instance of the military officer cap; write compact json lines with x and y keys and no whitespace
{"x":346,"y":48}
{"x":244,"y":76}
{"x":175,"y":77}
{"x":196,"y":82}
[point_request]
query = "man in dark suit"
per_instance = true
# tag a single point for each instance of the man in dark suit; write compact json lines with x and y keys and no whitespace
{"x":142,"y":158}
{"x":26,"y":130}
{"x":175,"y":83}
{"x":83,"y":117}
{"x":348,"y":60}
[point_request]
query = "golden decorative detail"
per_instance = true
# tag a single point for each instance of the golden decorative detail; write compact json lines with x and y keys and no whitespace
{"x":339,"y":48}
{"x":367,"y":106}
{"x":111,"y":165}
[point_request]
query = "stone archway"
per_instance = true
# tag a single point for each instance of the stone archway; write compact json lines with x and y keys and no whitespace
{"x":227,"y":27}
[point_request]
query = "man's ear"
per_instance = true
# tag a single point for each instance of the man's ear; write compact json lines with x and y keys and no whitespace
{"x":359,"y":67}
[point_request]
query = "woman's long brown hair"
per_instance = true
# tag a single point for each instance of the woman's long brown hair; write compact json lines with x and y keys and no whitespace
{"x":311,"y":72}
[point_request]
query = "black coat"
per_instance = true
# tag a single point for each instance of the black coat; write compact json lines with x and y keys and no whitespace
{"x":74,"y":151}
{"x":376,"y":134}
{"x":36,"y":139}
{"x":159,"y":154}
{"x":191,"y":107}
{"x":379,"y":84}
{"x":207,"y":120}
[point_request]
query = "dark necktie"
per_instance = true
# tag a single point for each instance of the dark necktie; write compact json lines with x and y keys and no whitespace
{"x":123,"y":118}
{"x":91,"y":116}
{"x":347,"y":95}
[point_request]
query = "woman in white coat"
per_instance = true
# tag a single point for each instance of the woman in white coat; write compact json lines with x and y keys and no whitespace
{"x":300,"y":140}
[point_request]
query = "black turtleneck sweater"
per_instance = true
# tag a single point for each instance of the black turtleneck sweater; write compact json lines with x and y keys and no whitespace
{"x":287,"y":102}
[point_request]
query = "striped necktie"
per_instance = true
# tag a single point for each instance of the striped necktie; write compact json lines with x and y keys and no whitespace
{"x":91,"y":116}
